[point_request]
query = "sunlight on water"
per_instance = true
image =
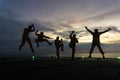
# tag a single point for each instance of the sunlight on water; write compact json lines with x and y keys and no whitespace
{"x":85,"y":55}
{"x":98,"y":55}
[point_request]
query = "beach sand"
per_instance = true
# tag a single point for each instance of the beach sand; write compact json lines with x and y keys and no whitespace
{"x":64,"y":68}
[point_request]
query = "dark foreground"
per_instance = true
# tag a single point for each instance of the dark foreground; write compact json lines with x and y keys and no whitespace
{"x":65,"y":68}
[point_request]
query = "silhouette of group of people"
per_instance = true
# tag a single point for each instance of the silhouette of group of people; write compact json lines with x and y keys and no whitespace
{"x":59,"y":43}
{"x":25,"y":37}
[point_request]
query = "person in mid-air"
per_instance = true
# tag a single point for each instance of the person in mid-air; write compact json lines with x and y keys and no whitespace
{"x":25,"y":37}
{"x":58,"y":44}
{"x":96,"y":41}
{"x":41,"y":38}
{"x":72,"y":44}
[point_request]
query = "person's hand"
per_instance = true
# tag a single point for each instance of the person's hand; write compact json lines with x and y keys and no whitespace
{"x":86,"y":27}
{"x":37,"y":30}
{"x":109,"y":29}
{"x":73,"y":31}
{"x":32,"y":24}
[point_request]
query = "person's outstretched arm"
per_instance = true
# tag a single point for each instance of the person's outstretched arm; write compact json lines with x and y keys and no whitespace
{"x":71,"y":34}
{"x":105,"y":30}
{"x":36,"y":33}
{"x":33,"y":28}
{"x":47,"y":37}
{"x":88,"y":30}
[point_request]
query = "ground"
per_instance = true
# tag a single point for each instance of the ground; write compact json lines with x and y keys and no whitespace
{"x":64,"y":68}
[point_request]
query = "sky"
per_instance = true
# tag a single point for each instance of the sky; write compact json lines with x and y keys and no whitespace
{"x":58,"y":18}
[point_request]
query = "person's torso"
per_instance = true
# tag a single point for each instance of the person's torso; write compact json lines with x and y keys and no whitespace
{"x":73,"y":40}
{"x":57,"y":42}
{"x":26,"y":33}
{"x":96,"y":38}
{"x":40,"y":36}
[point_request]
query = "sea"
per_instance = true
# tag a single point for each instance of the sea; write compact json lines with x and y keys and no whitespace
{"x":85,"y":55}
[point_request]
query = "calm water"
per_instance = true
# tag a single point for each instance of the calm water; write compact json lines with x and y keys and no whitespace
{"x":94,"y":55}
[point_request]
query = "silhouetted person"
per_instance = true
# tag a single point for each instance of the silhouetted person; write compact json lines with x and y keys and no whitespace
{"x":58,"y":44}
{"x":72,"y":43}
{"x":41,"y":38}
{"x":96,"y":41}
{"x":25,"y":37}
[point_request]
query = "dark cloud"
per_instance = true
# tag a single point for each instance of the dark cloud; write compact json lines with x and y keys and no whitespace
{"x":59,"y":8}
{"x":102,"y":28}
{"x":66,"y":25}
{"x":115,"y":29}
{"x":44,"y":26}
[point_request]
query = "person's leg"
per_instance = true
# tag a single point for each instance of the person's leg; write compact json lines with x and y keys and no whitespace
{"x":47,"y":41}
{"x":36,"y":40}
{"x":58,"y":56}
{"x":73,"y":53}
{"x":23,"y":42}
{"x":30,"y":45}
{"x":101,"y":51}
{"x":62,"y":47}
{"x":91,"y":50}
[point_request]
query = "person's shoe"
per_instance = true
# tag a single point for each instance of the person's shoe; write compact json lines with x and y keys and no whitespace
{"x":103,"y":57}
{"x":89,"y":56}
{"x":37,"y":46}
{"x":62,"y":50}
{"x":19,"y":48}
{"x":33,"y":51}
{"x":73,"y":59}
{"x":50,"y":44}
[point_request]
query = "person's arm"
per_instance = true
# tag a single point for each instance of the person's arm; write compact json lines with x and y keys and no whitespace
{"x":105,"y":31}
{"x":33,"y":28}
{"x":61,"y":40}
{"x":76,"y":40}
{"x":36,"y":33}
{"x":47,"y":37}
{"x":88,"y":30}
{"x":71,"y":34}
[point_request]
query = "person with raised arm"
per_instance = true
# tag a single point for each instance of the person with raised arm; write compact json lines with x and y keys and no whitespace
{"x":25,"y":37}
{"x":72,"y":44}
{"x":96,"y":40}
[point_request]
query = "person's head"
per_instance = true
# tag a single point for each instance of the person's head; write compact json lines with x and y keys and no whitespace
{"x":57,"y":38}
{"x":41,"y":33}
{"x":74,"y":35}
{"x":30,"y":27}
{"x":96,"y":30}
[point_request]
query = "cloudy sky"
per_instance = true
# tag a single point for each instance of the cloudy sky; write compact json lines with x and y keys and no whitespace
{"x":58,"y":18}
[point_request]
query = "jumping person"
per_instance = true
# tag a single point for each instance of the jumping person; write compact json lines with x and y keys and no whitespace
{"x":72,"y":44}
{"x":96,"y":41}
{"x":58,"y":44}
{"x":41,"y":38}
{"x":25,"y":37}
